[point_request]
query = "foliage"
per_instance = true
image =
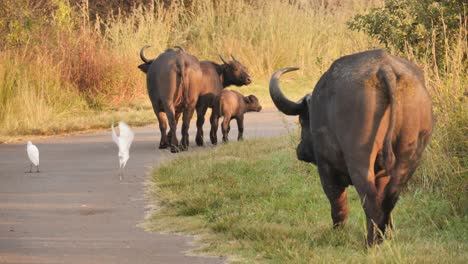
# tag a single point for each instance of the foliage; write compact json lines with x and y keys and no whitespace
{"x":426,"y":28}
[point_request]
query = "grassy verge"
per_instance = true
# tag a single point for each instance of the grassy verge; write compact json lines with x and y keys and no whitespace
{"x":80,"y":122}
{"x":254,"y":201}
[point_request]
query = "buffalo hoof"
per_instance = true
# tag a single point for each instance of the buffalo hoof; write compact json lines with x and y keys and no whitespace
{"x":163,"y":145}
{"x":214,"y":140}
{"x":339,"y":225}
{"x":175,"y":149}
{"x":183,"y":148}
{"x":199,"y":142}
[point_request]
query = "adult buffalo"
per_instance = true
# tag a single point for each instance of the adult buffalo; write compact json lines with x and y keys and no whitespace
{"x":366,"y":124}
{"x":173,"y":81}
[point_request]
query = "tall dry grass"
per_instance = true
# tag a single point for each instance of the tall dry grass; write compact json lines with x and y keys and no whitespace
{"x":445,"y":166}
{"x":265,"y":36}
{"x":32,"y":93}
{"x":93,"y":60}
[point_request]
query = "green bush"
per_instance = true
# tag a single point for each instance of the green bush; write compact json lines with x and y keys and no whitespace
{"x":425,"y":28}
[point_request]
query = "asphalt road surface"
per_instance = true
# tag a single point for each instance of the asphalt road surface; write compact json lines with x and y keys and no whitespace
{"x":77,"y":211}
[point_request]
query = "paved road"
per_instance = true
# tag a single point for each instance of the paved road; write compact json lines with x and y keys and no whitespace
{"x":77,"y":211}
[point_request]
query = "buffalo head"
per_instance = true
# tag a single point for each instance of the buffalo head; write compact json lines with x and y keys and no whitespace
{"x":252,"y":103}
{"x":300,"y":108}
{"x":235,"y":73}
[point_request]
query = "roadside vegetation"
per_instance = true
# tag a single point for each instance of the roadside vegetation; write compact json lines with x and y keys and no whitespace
{"x":256,"y":202}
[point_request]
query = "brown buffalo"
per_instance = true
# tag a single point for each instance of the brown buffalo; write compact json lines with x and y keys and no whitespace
{"x":173,"y":81}
{"x":366,"y":124}
{"x":216,"y":77}
{"x":231,"y":105}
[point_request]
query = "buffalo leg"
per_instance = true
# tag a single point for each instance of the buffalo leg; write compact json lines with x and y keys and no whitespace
{"x":201,"y":111}
{"x":408,"y":156}
{"x":336,"y":194}
{"x":162,"y":121}
{"x":225,"y":127}
{"x":381,"y":181}
{"x":363,"y":178}
{"x":169,"y":134}
{"x":170,"y":113}
{"x":188,"y":113}
{"x":368,"y":194}
{"x":214,"y":119}
{"x":240,"y":126}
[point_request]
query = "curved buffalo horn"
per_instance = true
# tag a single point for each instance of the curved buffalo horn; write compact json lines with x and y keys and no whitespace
{"x":234,"y":58}
{"x":180,"y":47}
{"x":142,"y":55}
{"x":223,"y":59}
{"x":283,"y":104}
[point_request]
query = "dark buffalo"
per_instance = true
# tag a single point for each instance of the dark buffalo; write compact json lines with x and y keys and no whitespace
{"x":173,"y":81}
{"x":216,"y":77}
{"x":231,"y":105}
{"x":366,"y":124}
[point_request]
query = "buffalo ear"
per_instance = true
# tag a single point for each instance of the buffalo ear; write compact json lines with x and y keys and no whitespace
{"x":250,"y":99}
{"x":144,"y":67}
{"x":305,"y":102}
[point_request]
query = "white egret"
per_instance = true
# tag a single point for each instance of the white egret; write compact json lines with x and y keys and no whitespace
{"x":33,"y":154}
{"x":123,"y":141}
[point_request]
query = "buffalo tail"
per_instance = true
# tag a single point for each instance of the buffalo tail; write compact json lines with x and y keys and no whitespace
{"x":388,"y":78}
{"x":183,"y":83}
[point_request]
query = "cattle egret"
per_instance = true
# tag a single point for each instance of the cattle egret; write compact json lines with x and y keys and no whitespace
{"x":123,"y":141}
{"x":33,"y":154}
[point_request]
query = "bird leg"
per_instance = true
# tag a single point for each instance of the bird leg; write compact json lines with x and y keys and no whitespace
{"x":37,"y":169}
{"x":30,"y":169}
{"x":121,"y":174}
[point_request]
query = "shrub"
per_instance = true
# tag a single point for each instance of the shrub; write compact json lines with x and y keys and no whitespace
{"x":425,"y":28}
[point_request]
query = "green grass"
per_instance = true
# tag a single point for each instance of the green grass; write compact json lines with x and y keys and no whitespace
{"x":255,"y":202}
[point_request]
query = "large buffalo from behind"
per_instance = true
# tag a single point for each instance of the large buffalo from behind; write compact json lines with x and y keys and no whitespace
{"x":173,"y":81}
{"x":366,"y":124}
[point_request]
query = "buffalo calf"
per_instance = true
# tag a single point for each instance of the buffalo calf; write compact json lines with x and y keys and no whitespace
{"x":231,"y":105}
